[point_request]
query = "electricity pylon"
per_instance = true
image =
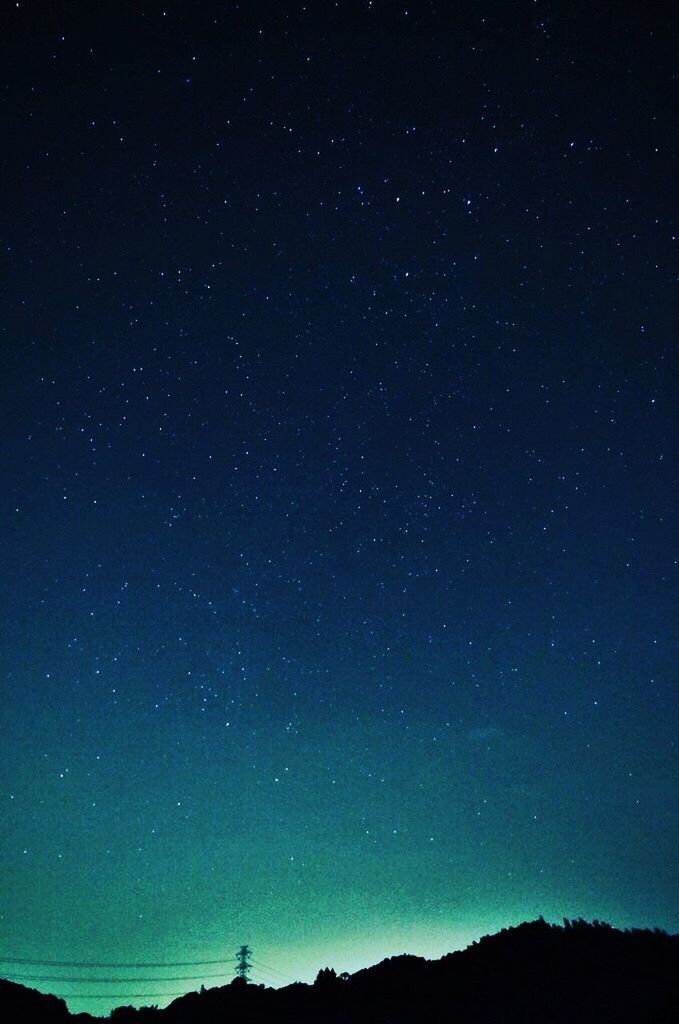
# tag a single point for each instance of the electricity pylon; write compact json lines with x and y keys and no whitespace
{"x":243,"y":964}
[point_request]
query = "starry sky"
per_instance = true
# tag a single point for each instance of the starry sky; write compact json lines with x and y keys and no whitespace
{"x":337,"y":508}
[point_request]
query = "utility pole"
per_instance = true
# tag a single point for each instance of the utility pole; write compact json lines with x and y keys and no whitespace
{"x":243,"y":964}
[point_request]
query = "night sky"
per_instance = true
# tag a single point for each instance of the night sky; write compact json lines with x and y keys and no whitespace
{"x":337,"y":486}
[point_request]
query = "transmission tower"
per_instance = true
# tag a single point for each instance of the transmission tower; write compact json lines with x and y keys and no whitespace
{"x":243,"y":964}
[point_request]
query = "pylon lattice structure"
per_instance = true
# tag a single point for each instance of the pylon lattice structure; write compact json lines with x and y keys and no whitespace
{"x":243,"y":964}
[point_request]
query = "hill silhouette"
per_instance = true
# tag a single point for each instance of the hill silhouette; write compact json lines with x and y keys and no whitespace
{"x":536,"y":973}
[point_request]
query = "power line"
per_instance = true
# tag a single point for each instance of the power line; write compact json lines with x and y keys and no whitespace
{"x":269,"y":979}
{"x":262,"y":964}
{"x":260,"y":970}
{"x":119,"y":995}
{"x":273,"y":970}
{"x":243,"y":960}
{"x":266,"y":979}
{"x":82,"y":963}
{"x":105,"y":981}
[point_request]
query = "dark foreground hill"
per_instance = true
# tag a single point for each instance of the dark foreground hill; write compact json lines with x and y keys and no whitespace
{"x":536,"y":973}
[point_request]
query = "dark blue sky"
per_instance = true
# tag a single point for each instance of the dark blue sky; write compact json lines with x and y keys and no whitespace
{"x":337,"y":462}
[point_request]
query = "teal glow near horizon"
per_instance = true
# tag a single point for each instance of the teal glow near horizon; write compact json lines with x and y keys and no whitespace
{"x":322,"y":854}
{"x":291,"y":963}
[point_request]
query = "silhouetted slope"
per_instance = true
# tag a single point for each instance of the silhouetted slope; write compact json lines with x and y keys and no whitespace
{"x":19,"y":1004}
{"x":533,"y":974}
